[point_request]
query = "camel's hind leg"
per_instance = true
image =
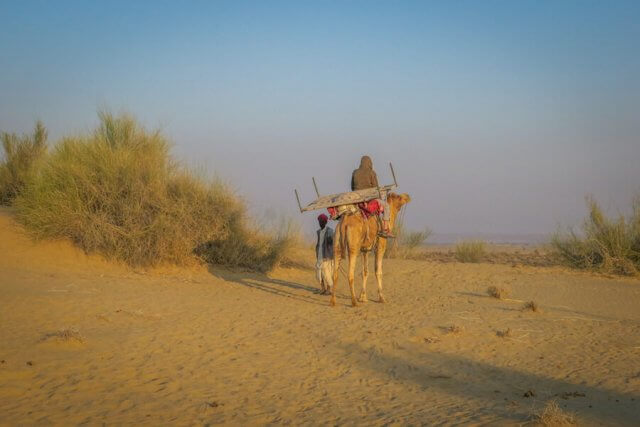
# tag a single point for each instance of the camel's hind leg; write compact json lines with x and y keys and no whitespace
{"x":352,"y":249}
{"x":378,"y":270}
{"x":365,"y":275}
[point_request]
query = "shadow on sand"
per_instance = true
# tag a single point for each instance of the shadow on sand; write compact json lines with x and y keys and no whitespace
{"x":273,"y":286}
{"x":501,"y":389}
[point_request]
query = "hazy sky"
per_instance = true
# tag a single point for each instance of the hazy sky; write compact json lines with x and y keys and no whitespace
{"x":499,"y":116}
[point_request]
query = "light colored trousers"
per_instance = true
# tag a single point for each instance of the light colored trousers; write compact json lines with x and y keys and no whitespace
{"x":386,"y":213}
{"x":324,"y":274}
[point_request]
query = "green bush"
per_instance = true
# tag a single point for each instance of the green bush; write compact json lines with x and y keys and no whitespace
{"x":471,"y":251}
{"x":118,"y":192}
{"x":611,"y":245}
{"x":21,"y":154}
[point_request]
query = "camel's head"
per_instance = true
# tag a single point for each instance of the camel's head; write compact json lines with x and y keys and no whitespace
{"x":398,"y":200}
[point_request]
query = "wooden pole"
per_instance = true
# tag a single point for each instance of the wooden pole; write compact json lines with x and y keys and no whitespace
{"x":393,"y":174}
{"x":313,"y":178}
{"x":298,"y":199}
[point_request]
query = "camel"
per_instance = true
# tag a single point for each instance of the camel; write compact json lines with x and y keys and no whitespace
{"x":356,"y":234}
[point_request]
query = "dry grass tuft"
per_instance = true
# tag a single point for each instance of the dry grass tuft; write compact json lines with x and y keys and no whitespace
{"x":249,"y":247}
{"x":605,"y":244}
{"x":454,"y":329}
{"x":65,"y":335}
{"x":552,"y":415}
{"x":504,"y":334}
{"x":21,"y":155}
{"x":471,"y":251}
{"x":499,"y":293}
{"x":531,"y":306}
{"x":407,"y":243}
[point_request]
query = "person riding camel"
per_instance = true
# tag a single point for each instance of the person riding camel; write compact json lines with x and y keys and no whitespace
{"x":365,"y":177}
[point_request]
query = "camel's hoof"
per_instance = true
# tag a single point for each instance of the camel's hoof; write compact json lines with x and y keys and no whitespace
{"x":354,"y":303}
{"x":381,"y":300}
{"x":332,"y":302}
{"x":363,"y":298}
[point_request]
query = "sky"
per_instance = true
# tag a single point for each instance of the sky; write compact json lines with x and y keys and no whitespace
{"x":498,"y":116}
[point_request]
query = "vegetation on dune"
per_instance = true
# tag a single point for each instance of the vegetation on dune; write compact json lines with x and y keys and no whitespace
{"x":21,"y":155}
{"x":246,"y":246}
{"x":117,"y":191}
{"x":471,"y":251}
{"x":605,"y":244}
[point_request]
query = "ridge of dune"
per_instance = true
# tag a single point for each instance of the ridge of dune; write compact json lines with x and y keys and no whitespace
{"x":84,"y":340}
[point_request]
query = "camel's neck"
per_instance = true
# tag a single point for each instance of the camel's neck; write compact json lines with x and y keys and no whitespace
{"x":392,"y":216}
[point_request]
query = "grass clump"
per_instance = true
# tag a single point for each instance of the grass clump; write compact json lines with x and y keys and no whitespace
{"x":531,"y":306}
{"x":605,"y":244}
{"x":454,"y":329}
{"x":407,"y":242}
{"x":21,"y":154}
{"x":118,"y":192}
{"x":499,"y":293}
{"x":505,"y":333}
{"x":552,"y":415}
{"x":471,"y":251}
{"x":65,"y":335}
{"x":248,"y":247}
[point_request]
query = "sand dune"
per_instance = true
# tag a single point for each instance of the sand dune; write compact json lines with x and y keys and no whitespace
{"x":83,"y":340}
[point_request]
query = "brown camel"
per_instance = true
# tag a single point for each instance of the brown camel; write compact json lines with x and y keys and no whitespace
{"x":356,"y":234}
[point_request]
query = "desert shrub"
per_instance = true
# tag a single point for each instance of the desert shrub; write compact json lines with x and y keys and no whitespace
{"x":250,"y":247}
{"x":118,"y":192}
{"x":470,"y":251}
{"x":21,"y":154}
{"x":611,"y":245}
{"x":552,"y":415}
{"x":407,"y":242}
{"x":412,"y":239}
{"x":531,"y":306}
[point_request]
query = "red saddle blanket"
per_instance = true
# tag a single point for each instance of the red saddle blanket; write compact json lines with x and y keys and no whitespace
{"x":368,"y":208}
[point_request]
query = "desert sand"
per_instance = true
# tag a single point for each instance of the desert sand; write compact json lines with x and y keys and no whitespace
{"x":206,"y":346}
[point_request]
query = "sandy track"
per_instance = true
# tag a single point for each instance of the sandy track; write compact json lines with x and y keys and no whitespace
{"x":198,"y":346}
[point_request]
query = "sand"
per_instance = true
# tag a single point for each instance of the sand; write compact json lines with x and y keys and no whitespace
{"x":86,"y":341}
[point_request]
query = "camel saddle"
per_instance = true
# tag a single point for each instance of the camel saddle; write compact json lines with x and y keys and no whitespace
{"x":367,"y":209}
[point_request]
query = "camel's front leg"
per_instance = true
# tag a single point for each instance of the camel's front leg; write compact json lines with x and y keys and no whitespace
{"x":378,"y":270}
{"x":337,"y":259}
{"x":352,"y":272}
{"x":336,"y":266}
{"x":365,"y":275}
